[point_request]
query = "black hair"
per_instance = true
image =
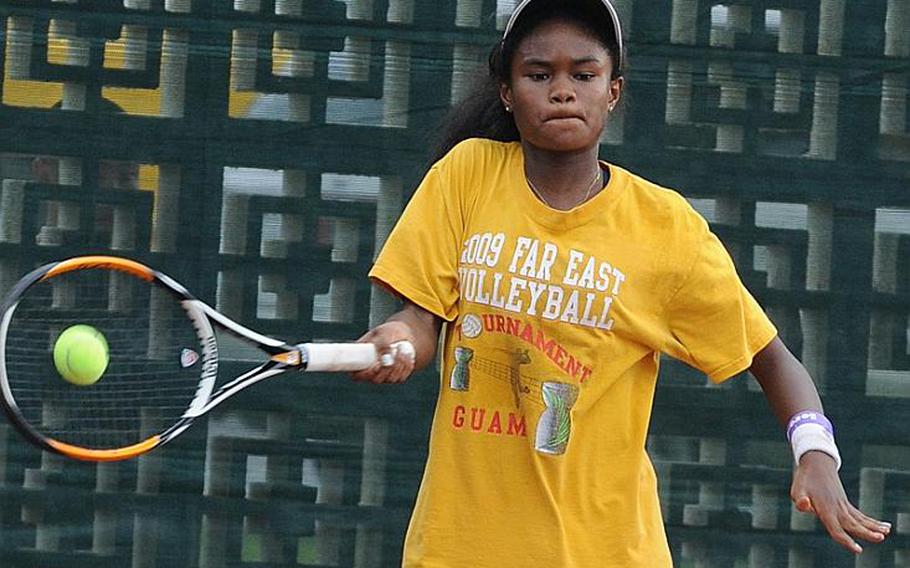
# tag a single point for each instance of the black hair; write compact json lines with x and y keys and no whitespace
{"x":480,"y":113}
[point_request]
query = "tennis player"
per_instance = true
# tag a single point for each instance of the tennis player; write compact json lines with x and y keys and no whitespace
{"x":561,"y":279}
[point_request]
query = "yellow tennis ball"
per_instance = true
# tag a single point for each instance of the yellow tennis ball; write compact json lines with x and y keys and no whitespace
{"x":80,"y":355}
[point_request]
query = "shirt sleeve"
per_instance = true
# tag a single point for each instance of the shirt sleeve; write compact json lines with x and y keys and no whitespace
{"x":715,"y":325}
{"x":419,"y":260}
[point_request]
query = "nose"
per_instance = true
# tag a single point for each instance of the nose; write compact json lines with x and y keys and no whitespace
{"x":562,"y":92}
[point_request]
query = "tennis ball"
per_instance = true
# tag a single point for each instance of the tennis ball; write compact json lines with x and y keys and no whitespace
{"x":80,"y":355}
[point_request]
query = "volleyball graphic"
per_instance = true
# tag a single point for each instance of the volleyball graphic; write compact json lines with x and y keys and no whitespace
{"x":471,"y":326}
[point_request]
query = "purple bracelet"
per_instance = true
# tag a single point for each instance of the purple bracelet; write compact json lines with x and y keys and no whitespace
{"x":808,"y":417}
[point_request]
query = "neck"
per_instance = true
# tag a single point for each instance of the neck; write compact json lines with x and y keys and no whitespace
{"x":562,"y":180}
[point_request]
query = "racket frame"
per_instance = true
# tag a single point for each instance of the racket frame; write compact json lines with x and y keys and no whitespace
{"x":281,"y":357}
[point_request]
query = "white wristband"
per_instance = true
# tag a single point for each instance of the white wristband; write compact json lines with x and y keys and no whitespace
{"x":809,"y":437}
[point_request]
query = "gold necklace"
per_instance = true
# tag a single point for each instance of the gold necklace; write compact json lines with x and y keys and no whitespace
{"x":540,"y":196}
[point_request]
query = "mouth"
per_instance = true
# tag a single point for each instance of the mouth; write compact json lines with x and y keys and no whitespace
{"x":563,"y":117}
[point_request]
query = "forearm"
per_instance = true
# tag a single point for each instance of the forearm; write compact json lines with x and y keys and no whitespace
{"x":785,"y":381}
{"x":816,"y":486}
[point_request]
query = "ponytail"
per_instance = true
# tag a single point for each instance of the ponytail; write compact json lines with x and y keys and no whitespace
{"x":480,"y":114}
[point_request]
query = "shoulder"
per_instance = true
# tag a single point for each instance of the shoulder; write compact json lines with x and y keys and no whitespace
{"x":472,"y":169}
{"x":467,"y":172}
{"x":478,"y":154}
{"x":663,"y":209}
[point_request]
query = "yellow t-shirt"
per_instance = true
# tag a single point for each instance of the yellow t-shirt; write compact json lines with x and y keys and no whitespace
{"x":537,"y":452}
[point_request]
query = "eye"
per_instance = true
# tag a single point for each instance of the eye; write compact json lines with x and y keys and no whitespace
{"x":585,"y":76}
{"x":538,"y":76}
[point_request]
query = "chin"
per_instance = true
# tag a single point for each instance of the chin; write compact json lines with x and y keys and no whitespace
{"x":564,"y":141}
{"x":557,"y":145}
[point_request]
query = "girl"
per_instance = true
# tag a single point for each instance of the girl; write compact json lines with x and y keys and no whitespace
{"x":561,"y":278}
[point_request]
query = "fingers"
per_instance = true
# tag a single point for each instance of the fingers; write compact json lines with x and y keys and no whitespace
{"x":394,"y":364}
{"x":389,"y":367}
{"x":851,"y":524}
{"x":817,"y":489}
{"x":840,"y":536}
{"x":397,"y":363}
{"x":880,"y":527}
{"x":867,"y":528}
{"x":845,"y":523}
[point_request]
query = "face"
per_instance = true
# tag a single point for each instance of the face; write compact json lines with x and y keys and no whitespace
{"x":560,"y":92}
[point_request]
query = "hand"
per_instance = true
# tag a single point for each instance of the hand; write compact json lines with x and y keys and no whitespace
{"x":817,"y":489}
{"x":391,"y":368}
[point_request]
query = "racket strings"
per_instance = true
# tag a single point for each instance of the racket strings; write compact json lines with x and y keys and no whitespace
{"x":149,"y":381}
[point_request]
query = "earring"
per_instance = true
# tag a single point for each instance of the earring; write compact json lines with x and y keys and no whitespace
{"x":508,"y":108}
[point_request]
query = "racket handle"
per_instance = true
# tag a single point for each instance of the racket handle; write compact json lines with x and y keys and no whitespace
{"x":347,"y":356}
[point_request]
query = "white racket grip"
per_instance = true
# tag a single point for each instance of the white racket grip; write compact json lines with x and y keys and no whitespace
{"x":335,"y":357}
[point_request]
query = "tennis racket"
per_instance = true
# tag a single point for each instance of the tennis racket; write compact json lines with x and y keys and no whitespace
{"x":163,"y":347}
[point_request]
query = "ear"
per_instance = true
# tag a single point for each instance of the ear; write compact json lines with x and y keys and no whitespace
{"x":505,"y":95}
{"x":616,"y":86}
